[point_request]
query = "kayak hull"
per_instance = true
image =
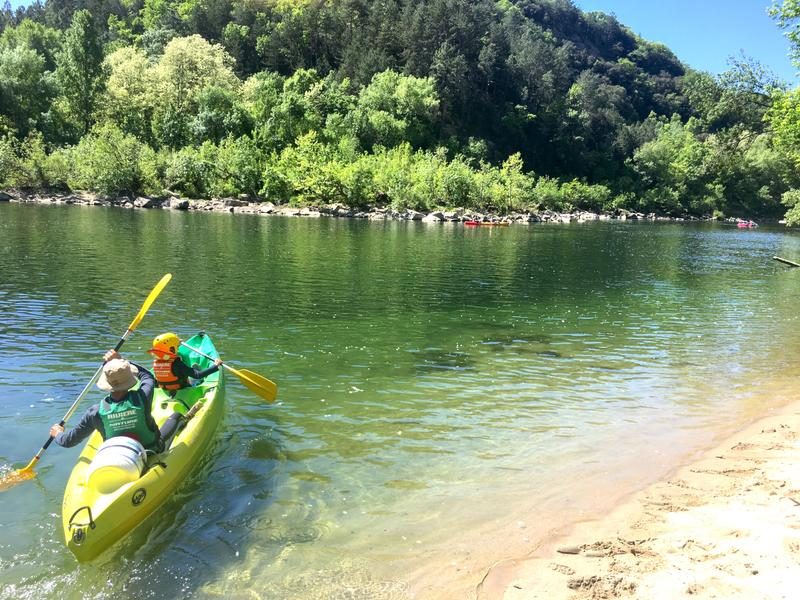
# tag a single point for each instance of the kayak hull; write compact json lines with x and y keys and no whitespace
{"x":93,"y":521}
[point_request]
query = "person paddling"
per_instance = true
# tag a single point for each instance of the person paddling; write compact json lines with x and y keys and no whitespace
{"x":124,"y":411}
{"x":172,"y":374}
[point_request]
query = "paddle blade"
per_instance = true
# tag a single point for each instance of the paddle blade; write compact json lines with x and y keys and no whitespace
{"x":148,"y":302}
{"x":13,"y":478}
{"x":257,"y":384}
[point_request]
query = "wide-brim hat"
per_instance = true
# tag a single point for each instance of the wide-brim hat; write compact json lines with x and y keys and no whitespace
{"x":118,"y":375}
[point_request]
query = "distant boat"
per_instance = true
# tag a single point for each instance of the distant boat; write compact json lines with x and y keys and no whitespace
{"x":487,"y":223}
{"x":746,"y":224}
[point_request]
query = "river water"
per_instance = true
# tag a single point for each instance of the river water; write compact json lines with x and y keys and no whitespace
{"x":448,"y":397}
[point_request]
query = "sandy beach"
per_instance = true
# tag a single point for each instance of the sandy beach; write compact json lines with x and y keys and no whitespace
{"x":725,"y":526}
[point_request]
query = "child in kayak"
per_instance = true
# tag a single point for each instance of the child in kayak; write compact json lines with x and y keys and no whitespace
{"x":124,"y":412}
{"x":172,"y":374}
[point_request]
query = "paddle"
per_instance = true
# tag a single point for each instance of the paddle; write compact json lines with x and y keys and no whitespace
{"x":257,"y":384}
{"x":26,"y":472}
{"x":786,"y":261}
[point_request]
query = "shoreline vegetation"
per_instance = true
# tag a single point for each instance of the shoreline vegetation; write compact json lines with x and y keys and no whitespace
{"x":517,"y":105}
{"x":247,"y":206}
{"x":724,"y":525}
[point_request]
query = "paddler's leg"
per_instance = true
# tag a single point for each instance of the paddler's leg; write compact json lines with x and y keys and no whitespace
{"x":169,"y":428}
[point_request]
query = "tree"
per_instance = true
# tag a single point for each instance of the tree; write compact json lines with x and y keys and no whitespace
{"x":676,"y":172}
{"x":30,"y":34}
{"x":394,"y":108}
{"x":79,"y":72}
{"x":787,"y":13}
{"x":188,"y":66}
{"x":129,"y":97}
{"x":24,"y":94}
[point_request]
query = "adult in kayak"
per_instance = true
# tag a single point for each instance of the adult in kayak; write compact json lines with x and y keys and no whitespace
{"x":124,"y":412}
{"x":172,"y":374}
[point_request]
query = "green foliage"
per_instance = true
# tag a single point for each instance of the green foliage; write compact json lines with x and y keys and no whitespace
{"x":78,"y":72}
{"x":413,"y":104}
{"x":219,"y":114}
{"x":24,"y":89}
{"x":112,"y":162}
{"x":43,"y":40}
{"x":676,"y":172}
{"x":394,"y":108}
{"x":191,"y":170}
{"x":791,"y":199}
{"x":787,"y":13}
{"x":239,"y":168}
{"x":130,"y":98}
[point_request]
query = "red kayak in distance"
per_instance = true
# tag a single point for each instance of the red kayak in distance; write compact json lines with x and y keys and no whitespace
{"x":486,"y":223}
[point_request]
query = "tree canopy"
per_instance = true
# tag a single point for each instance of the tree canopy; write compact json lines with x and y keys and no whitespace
{"x":515,"y":103}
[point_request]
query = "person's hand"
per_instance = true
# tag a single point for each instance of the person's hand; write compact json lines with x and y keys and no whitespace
{"x":55,"y":430}
{"x":218,"y":361}
{"x":111,"y":355}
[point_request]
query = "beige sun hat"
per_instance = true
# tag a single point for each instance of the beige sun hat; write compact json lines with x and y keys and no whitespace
{"x":118,"y":375}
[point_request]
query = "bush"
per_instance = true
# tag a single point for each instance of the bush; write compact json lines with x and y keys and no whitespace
{"x":112,"y":162}
{"x":239,"y":168}
{"x":192,"y":171}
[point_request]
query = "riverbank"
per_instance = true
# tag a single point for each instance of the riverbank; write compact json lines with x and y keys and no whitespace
{"x":245,"y":206}
{"x":724,"y":526}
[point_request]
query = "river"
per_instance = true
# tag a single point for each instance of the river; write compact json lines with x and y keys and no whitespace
{"x":448,"y":396}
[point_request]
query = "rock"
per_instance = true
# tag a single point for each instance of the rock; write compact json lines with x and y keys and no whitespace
{"x":178,"y":203}
{"x":233,"y":202}
{"x":569,"y":550}
{"x":434,"y":217}
{"x":266,"y":208}
{"x":5,"y":197}
{"x":144,"y":202}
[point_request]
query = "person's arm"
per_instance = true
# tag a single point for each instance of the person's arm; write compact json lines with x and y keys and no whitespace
{"x":81,"y":431}
{"x":147,"y":381}
{"x":181,"y":369}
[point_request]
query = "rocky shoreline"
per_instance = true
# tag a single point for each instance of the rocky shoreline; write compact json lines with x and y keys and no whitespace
{"x":245,"y":205}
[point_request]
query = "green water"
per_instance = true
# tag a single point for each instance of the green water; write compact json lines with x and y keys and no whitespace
{"x":447,"y":396}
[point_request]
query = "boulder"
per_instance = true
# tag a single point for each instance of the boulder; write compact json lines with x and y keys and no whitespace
{"x":144,"y":202}
{"x":178,"y":203}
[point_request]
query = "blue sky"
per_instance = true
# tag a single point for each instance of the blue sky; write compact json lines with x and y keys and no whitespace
{"x":704,"y":33}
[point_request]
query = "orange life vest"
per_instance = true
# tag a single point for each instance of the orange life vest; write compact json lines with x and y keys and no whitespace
{"x":162,"y":369}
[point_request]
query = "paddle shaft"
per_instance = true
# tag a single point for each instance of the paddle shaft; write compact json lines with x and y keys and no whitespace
{"x":256,"y":383}
{"x":81,"y":396}
{"x":786,"y":262}
{"x":131,"y":328}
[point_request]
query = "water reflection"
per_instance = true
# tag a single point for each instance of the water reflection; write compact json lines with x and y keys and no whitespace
{"x":432,"y":381}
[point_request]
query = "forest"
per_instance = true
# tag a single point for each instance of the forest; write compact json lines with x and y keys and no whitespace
{"x":497,"y":106}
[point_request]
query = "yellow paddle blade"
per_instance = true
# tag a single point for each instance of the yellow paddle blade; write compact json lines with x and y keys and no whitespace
{"x":149,"y":301}
{"x":14,"y":477}
{"x":256,"y":383}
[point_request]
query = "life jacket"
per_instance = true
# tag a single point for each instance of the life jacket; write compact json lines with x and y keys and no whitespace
{"x":127,"y":417}
{"x":162,"y":369}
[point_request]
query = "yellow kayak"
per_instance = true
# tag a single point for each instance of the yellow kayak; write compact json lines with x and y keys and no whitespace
{"x":94,"y":517}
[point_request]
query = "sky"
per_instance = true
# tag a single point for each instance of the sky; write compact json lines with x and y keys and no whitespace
{"x":705,"y":33}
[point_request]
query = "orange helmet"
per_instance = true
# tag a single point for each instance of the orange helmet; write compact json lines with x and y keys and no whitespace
{"x":165,"y":345}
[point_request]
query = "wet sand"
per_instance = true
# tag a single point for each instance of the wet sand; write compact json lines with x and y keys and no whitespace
{"x":724,"y":526}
